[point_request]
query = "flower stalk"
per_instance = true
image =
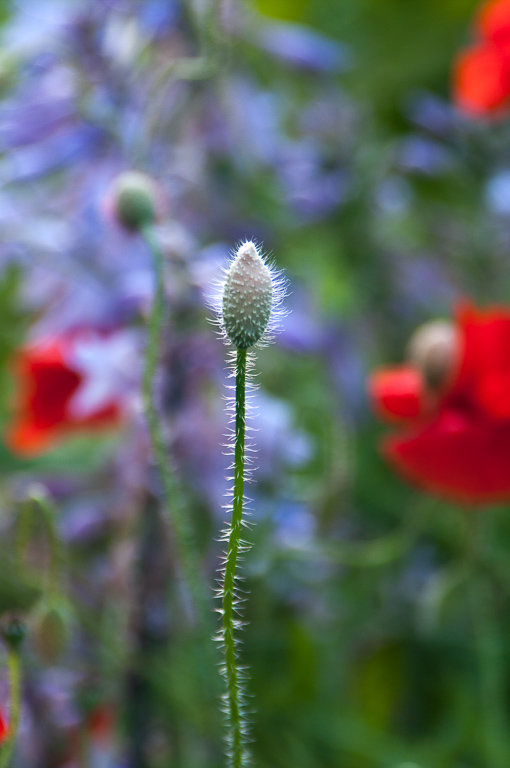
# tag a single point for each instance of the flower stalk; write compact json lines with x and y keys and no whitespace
{"x":234,"y":709}
{"x":13,"y":636}
{"x":251,"y":293}
{"x":172,"y":494}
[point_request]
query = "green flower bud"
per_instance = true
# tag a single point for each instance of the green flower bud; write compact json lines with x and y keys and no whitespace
{"x":18,"y":592}
{"x":13,"y":633}
{"x":49,"y":633}
{"x":247,"y":297}
{"x":136,"y":199}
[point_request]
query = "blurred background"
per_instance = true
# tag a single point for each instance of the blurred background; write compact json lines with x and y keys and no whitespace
{"x":377,"y":616}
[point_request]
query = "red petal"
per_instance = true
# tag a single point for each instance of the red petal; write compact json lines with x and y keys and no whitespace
{"x":4,"y":730}
{"x":481,"y":82}
{"x":397,"y":393}
{"x":483,"y":379}
{"x":456,"y":457}
{"x":493,"y":21}
{"x":45,"y":384}
{"x":493,"y":394}
{"x":101,"y":723}
{"x":109,"y":415}
{"x":24,"y":439}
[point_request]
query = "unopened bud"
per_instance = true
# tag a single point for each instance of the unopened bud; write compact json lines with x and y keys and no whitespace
{"x":433,"y":350}
{"x":13,"y":633}
{"x":18,"y":593}
{"x":247,"y":297}
{"x":135,"y":199}
{"x":49,"y":633}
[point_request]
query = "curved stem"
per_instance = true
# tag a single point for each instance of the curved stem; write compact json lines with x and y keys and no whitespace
{"x":23,"y":532}
{"x":358,"y":554}
{"x":56,"y":554}
{"x":235,"y":723}
{"x":14,"y":664}
{"x":172,"y":495}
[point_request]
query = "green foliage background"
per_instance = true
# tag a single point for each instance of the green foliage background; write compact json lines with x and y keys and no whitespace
{"x":381,"y":642}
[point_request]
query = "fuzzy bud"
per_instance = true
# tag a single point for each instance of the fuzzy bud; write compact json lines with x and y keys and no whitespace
{"x":433,"y":349}
{"x":247,"y":297}
{"x":135,"y":199}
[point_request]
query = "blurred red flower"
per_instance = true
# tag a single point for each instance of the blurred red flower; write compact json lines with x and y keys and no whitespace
{"x":4,"y":730}
{"x":101,"y":723}
{"x":481,"y":77}
{"x":456,"y":439}
{"x":94,"y":738}
{"x":67,"y":384}
{"x":493,"y":22}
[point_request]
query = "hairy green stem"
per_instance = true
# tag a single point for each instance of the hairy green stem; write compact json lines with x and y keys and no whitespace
{"x":14,"y":665}
{"x":172,"y":494}
{"x":235,"y":723}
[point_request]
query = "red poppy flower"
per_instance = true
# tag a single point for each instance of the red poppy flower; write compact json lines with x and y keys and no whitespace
{"x":64,"y":385}
{"x":481,"y":77}
{"x":4,"y":729}
{"x":481,"y":82}
{"x":455,"y":442}
{"x":101,"y":724}
{"x":493,"y":21}
{"x":98,"y":733}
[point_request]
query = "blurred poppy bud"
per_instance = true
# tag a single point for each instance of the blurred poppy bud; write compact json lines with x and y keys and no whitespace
{"x":18,"y":593}
{"x":13,"y":633}
{"x":433,"y":349}
{"x":49,"y":633}
{"x":135,"y":200}
{"x":247,"y":297}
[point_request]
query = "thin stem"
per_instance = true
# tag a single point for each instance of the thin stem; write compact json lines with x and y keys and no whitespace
{"x":23,"y":532}
{"x":488,"y":648}
{"x":490,"y":675}
{"x":56,"y":554}
{"x":236,"y":726}
{"x":14,"y":665}
{"x":172,"y":494}
{"x":358,"y":554}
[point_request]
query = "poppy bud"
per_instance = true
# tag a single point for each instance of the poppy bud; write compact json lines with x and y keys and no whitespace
{"x":13,"y":633}
{"x":247,"y":297}
{"x":18,"y":593}
{"x":433,"y":350}
{"x":49,"y":633}
{"x":135,"y":199}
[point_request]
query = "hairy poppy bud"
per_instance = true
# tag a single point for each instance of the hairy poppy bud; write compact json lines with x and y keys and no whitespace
{"x":433,"y":350}
{"x":247,"y":297}
{"x":135,"y":199}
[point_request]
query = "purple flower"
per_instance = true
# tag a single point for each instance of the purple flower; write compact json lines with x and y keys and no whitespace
{"x":300,"y":47}
{"x":421,"y":155}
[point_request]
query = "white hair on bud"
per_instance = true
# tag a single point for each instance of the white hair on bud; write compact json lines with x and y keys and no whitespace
{"x":247,"y":301}
{"x":247,"y":305}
